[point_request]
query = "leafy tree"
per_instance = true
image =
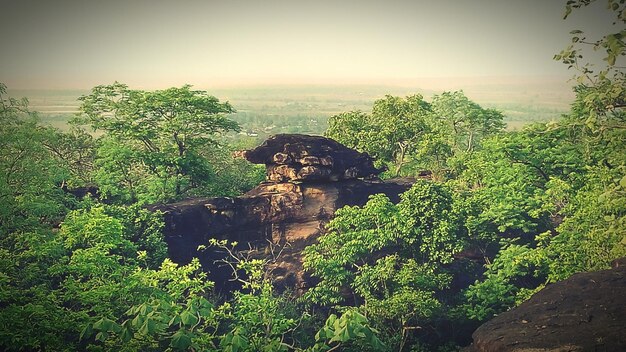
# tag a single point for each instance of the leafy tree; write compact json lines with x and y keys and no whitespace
{"x":389,"y":134}
{"x":29,"y":174}
{"x":515,"y":274}
{"x":74,"y":150}
{"x":352,"y":129}
{"x":590,"y":236}
{"x":118,"y":171}
{"x":579,"y":169}
{"x":600,"y":93}
{"x":399,"y":125}
{"x":592,"y":233}
{"x":391,"y":256}
{"x":56,"y":282}
{"x":411,"y":133}
{"x":465,"y":121}
{"x":166,"y":130}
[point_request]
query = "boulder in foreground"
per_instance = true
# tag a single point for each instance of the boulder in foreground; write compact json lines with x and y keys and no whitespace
{"x":586,"y":312}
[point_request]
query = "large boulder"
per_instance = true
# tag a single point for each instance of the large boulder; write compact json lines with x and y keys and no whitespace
{"x":297,"y":157}
{"x":310,"y":178}
{"x":276,"y":220}
{"x":586,"y":312}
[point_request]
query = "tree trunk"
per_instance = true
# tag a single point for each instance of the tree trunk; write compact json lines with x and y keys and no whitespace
{"x":400,"y":160}
{"x":470,"y":142}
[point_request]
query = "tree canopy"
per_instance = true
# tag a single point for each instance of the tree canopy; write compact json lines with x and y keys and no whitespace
{"x":158,"y":145}
{"x":403,"y":130}
{"x":504,"y":214}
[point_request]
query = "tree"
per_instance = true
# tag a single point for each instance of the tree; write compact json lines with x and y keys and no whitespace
{"x":575,"y":177}
{"x":393,"y":257}
{"x":75,"y":151}
{"x":465,"y":121}
{"x":391,"y":133}
{"x":600,"y":93}
{"x":400,"y":124}
{"x":167,"y":130}
{"x":402,"y":131}
{"x":351,"y":129}
{"x":29,"y":174}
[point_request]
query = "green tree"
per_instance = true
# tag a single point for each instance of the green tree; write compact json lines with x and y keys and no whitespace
{"x":29,"y":175}
{"x":400,"y":123}
{"x":465,"y":122}
{"x":166,"y":130}
{"x":412,"y":134}
{"x":391,"y":133}
{"x":392,"y":257}
{"x":600,"y":93}
{"x":74,"y":150}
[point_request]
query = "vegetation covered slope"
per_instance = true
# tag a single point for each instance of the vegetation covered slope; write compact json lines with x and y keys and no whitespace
{"x":505,"y":214}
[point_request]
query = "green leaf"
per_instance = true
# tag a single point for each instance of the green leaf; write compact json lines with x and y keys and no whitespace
{"x":115,"y":327}
{"x":145,"y":309}
{"x":175,"y":320}
{"x":103,"y":324}
{"x":180,"y":340}
{"x":138,"y":321}
{"x":102,"y":336}
{"x":376,"y":344}
{"x":341,"y":335}
{"x":126,"y":335}
{"x":188,"y":318}
{"x":148,"y":327}
{"x":238,"y":343}
{"x":86,"y":332}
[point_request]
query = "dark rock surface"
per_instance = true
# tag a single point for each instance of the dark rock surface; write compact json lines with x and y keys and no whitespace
{"x":273,"y":217}
{"x":586,"y":312}
{"x":296,"y":157}
{"x":310,"y":178}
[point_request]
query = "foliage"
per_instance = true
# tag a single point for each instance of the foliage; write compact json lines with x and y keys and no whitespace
{"x":350,"y":327}
{"x":507,"y":282}
{"x":600,"y":94}
{"x":593,"y":233}
{"x":28,"y":173}
{"x":90,"y":268}
{"x":410,"y":132}
{"x":392,"y":256}
{"x":464,"y":121}
{"x":389,"y":134}
{"x":517,"y":211}
{"x":155,"y":141}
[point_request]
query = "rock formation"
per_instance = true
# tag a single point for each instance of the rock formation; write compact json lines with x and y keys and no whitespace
{"x":296,"y":157}
{"x":583,"y":313}
{"x":309,"y":178}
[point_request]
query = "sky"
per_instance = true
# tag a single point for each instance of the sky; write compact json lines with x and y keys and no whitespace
{"x":77,"y":44}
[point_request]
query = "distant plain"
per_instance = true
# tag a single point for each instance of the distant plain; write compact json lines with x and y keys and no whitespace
{"x":266,"y":109}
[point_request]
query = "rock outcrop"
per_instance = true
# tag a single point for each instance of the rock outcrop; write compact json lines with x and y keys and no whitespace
{"x":296,"y":157}
{"x":283,"y":216}
{"x":583,"y":313}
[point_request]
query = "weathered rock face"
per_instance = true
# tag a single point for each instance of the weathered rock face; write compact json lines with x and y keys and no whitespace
{"x":277,"y":217}
{"x":583,"y":313}
{"x":296,"y":157}
{"x":312,"y":177}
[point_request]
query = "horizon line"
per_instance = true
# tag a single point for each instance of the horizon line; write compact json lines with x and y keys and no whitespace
{"x":222,"y":83}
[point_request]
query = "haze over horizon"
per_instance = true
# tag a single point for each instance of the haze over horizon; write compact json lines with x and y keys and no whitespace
{"x":72,"y":44}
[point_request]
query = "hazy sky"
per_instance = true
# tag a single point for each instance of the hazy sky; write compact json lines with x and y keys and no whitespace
{"x":151,"y":44}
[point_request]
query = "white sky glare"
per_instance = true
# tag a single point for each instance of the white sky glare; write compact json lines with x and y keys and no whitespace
{"x":155,"y":44}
